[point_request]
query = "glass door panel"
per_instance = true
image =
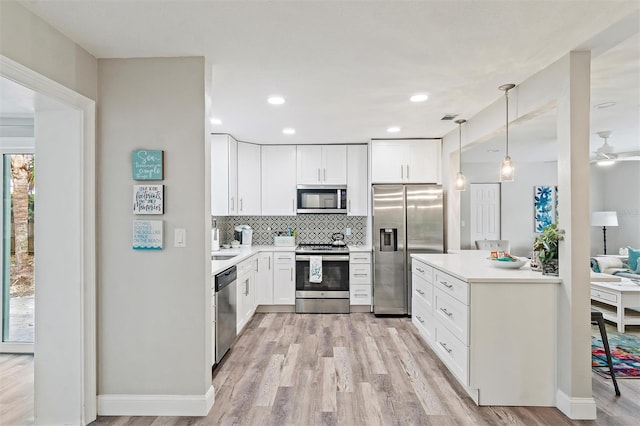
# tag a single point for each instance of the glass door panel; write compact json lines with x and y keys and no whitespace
{"x":17,"y":248}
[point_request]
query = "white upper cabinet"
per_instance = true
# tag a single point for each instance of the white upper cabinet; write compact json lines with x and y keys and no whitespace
{"x":248,"y":179}
{"x":405,"y":161}
{"x":278,"y":180}
{"x":322,"y":164}
{"x":224,"y":175}
{"x":357,"y":188}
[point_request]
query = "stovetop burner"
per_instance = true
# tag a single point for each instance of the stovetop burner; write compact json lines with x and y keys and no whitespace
{"x":317,"y":247}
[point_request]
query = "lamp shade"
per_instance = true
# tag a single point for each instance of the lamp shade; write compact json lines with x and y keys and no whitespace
{"x":604,"y":219}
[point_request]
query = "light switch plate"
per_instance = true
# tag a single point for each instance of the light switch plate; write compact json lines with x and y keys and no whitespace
{"x":180,"y":237}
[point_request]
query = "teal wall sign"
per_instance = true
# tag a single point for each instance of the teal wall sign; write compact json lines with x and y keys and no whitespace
{"x":147,"y":164}
{"x":147,"y":235}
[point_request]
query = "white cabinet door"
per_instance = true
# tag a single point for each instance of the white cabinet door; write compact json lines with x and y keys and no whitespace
{"x":322,"y":164}
{"x":248,"y":179}
{"x":309,"y":162}
{"x":334,"y":165}
{"x":387,"y":161}
{"x":264,"y":279}
{"x":423,"y":161}
{"x":224,"y":184}
{"x":284,"y":285}
{"x":357,"y":188}
{"x":278,"y":180}
{"x":405,"y":161}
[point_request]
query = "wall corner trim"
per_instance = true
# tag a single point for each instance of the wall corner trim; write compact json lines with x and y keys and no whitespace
{"x":156,"y":405}
{"x":576,"y":408}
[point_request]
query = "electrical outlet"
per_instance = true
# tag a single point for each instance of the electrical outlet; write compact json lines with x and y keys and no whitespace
{"x":347,"y":232}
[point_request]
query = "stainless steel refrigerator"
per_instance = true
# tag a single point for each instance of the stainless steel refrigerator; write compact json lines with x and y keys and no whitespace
{"x":406,"y":219}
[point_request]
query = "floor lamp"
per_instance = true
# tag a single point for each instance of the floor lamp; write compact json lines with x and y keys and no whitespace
{"x":604,"y":219}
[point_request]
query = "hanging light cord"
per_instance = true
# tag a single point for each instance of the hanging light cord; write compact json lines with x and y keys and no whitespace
{"x":506,"y":95}
{"x":460,"y":145}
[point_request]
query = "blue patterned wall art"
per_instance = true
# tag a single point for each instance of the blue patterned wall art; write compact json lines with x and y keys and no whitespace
{"x":545,"y":204}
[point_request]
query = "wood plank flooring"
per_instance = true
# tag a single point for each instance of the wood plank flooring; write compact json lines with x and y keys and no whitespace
{"x":293,"y":369}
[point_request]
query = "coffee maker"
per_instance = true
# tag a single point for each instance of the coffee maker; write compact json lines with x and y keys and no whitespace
{"x":243,"y":234}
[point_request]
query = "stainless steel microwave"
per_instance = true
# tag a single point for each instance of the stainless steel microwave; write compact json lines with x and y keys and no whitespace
{"x":321,"y":199}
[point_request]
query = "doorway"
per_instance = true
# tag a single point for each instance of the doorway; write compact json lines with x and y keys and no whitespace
{"x":64,"y":223}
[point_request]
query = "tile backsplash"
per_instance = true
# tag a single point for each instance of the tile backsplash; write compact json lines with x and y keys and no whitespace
{"x":312,"y":228}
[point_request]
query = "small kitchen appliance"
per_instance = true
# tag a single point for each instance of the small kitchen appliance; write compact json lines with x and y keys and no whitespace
{"x":338,"y":239}
{"x":215,"y":237}
{"x":243,"y":234}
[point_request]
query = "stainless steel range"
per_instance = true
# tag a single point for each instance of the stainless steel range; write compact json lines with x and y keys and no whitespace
{"x":328,"y":291}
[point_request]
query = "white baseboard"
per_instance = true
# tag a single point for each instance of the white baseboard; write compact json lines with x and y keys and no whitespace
{"x":156,"y":405}
{"x":576,"y":408}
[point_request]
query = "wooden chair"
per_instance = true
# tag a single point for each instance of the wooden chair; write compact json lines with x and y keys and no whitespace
{"x":596,"y":318}
{"x":493,"y":245}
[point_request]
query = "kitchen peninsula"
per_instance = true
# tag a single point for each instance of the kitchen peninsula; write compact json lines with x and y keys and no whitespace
{"x":494,"y":328}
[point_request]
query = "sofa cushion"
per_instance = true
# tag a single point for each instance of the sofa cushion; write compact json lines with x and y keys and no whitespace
{"x":633,"y":258}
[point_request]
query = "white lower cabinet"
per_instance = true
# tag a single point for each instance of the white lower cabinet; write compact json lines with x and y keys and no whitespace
{"x":245,"y":291}
{"x":441,"y":315}
{"x":264,"y":279}
{"x":284,"y":278}
{"x":360,"y":278}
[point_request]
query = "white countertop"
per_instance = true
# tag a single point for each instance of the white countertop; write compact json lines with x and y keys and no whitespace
{"x":243,"y":253}
{"x":473,"y":266}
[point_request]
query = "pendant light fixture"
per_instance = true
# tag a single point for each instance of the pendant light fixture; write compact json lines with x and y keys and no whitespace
{"x":506,"y":168}
{"x":461,"y":181}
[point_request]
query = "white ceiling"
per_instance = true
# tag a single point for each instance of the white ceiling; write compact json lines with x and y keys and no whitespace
{"x":347,"y":69}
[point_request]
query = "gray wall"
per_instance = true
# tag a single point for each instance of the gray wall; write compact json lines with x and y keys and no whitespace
{"x":516,"y":201}
{"x":152,"y":317}
{"x":616,"y":188}
{"x":612,"y":188}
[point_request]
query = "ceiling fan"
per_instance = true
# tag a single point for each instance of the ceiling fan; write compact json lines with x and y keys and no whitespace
{"x":605,"y":154}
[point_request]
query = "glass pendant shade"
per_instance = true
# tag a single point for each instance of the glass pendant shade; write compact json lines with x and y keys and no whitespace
{"x":506,"y":170}
{"x":461,"y":182}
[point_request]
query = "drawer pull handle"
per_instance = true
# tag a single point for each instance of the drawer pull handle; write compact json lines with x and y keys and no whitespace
{"x":446,"y":284}
{"x":444,"y":345}
{"x":361,"y":275}
{"x":420,"y":319}
{"x":420,"y":291}
{"x":420,"y":270}
{"x":447,"y":313}
{"x":360,"y":295}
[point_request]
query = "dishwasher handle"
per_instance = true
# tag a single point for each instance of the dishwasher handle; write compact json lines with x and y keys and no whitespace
{"x":225,"y":278}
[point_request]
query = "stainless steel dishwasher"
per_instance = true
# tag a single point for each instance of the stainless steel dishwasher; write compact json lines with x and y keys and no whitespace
{"x":225,"y":311}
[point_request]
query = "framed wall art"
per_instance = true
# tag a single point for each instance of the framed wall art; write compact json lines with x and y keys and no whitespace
{"x":148,"y":199}
{"x":147,"y":164}
{"x":147,"y":234}
{"x":545,"y":206}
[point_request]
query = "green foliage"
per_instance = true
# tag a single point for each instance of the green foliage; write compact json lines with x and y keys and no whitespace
{"x":546,"y":244}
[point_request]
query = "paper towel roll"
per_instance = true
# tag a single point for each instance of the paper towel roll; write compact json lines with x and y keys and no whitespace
{"x":215,"y":239}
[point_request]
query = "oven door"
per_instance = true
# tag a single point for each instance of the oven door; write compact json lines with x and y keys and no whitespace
{"x":335,"y":277}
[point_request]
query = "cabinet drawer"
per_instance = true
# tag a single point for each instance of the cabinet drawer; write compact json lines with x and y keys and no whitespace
{"x":246,"y":265}
{"x":452,"y":286}
{"x":423,"y":290}
{"x":423,"y":320}
{"x":364,"y":257}
{"x":453,"y":353}
{"x":422,"y":270}
{"x":360,"y":294}
{"x":283,"y":258}
{"x":453,"y":315}
{"x":360,"y":273}
{"x":604,"y":296}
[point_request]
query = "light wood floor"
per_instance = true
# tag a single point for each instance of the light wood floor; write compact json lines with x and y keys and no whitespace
{"x":292,"y":369}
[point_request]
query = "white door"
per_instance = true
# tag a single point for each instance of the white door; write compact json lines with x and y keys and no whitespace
{"x":264,"y":279}
{"x":485,"y":211}
{"x":357,"y":188}
{"x":309,"y":161}
{"x":388,"y":161}
{"x":423,"y":161}
{"x":248,"y":179}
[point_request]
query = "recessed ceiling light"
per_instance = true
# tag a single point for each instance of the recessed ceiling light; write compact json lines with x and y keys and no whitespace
{"x":419,"y":97}
{"x":288,"y":131}
{"x":215,"y":121}
{"x":605,"y":105}
{"x":275,"y":100}
{"x":393,"y":129}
